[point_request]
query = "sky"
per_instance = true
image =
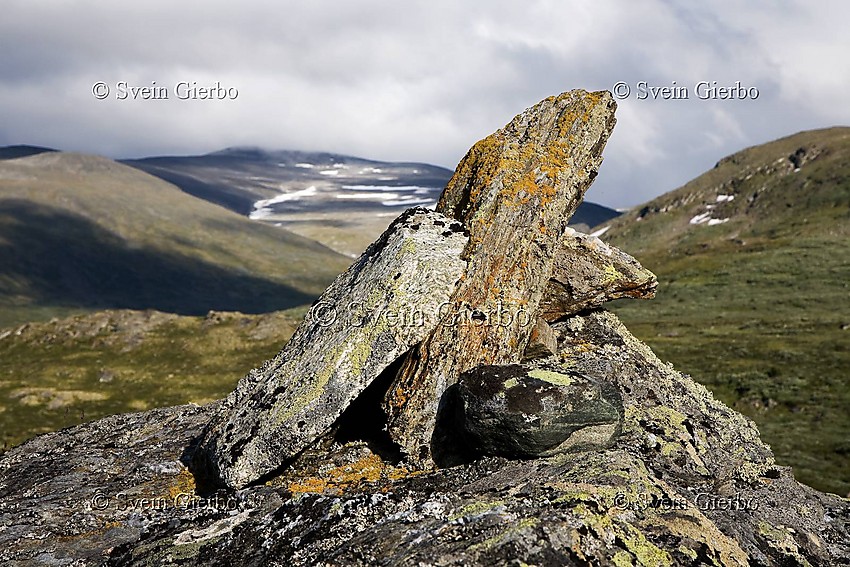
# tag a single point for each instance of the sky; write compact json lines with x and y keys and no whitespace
{"x":420,"y":80}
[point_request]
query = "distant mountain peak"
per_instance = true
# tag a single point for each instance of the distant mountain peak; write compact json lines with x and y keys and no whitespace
{"x":22,"y":150}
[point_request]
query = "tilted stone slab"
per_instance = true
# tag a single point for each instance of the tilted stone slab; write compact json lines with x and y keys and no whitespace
{"x":588,"y":272}
{"x":515,"y":192}
{"x":386,"y":302}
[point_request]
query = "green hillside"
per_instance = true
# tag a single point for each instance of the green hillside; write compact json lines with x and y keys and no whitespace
{"x":81,"y":233}
{"x":753,"y":260}
{"x":64,"y":372}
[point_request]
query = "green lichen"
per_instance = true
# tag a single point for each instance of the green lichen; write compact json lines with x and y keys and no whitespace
{"x":512,"y":530}
{"x":552,"y":377}
{"x":354,"y":350}
{"x":781,"y":539}
{"x":645,"y":552}
{"x":688,"y":552}
{"x":477,"y":509}
{"x":611,"y":275}
{"x":510,"y":383}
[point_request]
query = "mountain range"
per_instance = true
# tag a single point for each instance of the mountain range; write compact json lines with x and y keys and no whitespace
{"x":83,"y":233}
{"x":341,"y":201}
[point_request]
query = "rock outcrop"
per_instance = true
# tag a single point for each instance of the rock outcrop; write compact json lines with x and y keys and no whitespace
{"x":558,"y":438}
{"x":373,"y":313}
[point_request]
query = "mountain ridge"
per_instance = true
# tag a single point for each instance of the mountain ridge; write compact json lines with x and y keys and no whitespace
{"x":86,"y":232}
{"x":342,"y":201}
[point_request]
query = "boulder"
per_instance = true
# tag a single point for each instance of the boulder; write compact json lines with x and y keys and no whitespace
{"x":521,"y":411}
{"x":588,"y":272}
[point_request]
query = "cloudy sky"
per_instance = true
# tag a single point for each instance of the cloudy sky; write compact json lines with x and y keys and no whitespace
{"x":420,"y":81}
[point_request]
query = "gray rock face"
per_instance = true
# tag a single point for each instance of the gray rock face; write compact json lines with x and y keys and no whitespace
{"x":686,"y":483}
{"x":67,"y":498}
{"x":522,"y":411}
{"x":373,"y":313}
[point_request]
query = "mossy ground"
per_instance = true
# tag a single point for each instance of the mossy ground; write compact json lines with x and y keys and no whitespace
{"x":62,"y":373}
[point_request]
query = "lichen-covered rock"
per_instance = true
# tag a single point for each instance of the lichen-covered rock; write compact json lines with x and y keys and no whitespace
{"x":514,"y":191}
{"x":67,"y":498}
{"x":525,"y":411}
{"x":588,"y":272}
{"x":688,"y":482}
{"x":373,"y":313}
{"x":542,"y":342}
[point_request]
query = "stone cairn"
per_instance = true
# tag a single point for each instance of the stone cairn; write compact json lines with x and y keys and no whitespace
{"x":471,"y":335}
{"x":446,"y":314}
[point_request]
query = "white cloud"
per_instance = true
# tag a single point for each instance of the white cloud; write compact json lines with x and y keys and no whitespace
{"x":420,"y":80}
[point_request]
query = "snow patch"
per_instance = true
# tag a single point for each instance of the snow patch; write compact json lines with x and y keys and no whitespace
{"x":701,"y":218}
{"x":374,"y":196}
{"x":262,"y":209}
{"x":305,"y":165}
{"x":329,"y":172}
{"x":712,"y":222}
{"x":600,"y":232}
{"x":725,"y":198}
{"x":294,"y":196}
{"x":414,"y":188}
{"x":407,"y":202}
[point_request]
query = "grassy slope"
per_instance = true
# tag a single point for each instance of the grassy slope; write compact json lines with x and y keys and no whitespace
{"x":758,"y":308}
{"x":81,"y":233}
{"x":58,"y":374}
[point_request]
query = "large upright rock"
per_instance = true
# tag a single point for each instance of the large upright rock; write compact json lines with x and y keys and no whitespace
{"x":373,"y":313}
{"x":514,"y":192}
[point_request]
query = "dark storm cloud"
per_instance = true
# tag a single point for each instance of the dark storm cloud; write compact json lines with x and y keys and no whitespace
{"x":419,"y":80}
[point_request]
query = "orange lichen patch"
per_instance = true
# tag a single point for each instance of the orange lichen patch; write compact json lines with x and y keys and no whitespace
{"x":399,"y":397}
{"x":184,"y":484}
{"x":480,"y":166}
{"x":368,"y":469}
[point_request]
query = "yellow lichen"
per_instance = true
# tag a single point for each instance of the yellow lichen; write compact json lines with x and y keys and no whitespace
{"x":552,"y":377}
{"x":184,"y":483}
{"x":369,"y":469}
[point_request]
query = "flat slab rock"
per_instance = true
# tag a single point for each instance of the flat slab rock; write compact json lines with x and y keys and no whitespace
{"x":385,"y":303}
{"x":588,"y":272}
